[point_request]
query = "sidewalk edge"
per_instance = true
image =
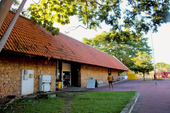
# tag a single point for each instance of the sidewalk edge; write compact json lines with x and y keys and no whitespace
{"x":129,"y":107}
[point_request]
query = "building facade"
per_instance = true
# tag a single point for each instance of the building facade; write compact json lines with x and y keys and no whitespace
{"x":31,"y":50}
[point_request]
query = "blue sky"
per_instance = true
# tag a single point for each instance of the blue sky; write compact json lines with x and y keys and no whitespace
{"x":161,"y":39}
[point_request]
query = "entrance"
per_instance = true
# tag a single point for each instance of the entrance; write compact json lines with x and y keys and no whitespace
{"x":66,"y":75}
{"x":75,"y":74}
{"x":66,"y":79}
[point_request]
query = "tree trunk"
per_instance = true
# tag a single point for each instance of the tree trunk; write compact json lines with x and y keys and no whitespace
{"x":11,"y":25}
{"x":4,"y":9}
{"x":143,"y":76}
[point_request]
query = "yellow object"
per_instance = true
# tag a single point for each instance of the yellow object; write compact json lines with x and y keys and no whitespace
{"x":132,"y":76}
{"x":109,"y":78}
{"x":168,"y":75}
{"x":59,"y":84}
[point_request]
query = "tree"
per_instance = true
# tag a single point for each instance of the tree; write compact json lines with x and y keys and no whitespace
{"x":142,"y":63}
{"x":15,"y":6}
{"x":137,"y":15}
{"x":50,"y":11}
{"x":162,"y":66}
{"x":123,"y":48}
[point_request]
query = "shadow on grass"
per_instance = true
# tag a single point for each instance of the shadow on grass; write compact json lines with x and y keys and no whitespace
{"x":73,"y":102}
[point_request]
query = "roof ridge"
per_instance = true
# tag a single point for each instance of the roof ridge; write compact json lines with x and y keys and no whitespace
{"x":94,"y":48}
{"x":63,"y":47}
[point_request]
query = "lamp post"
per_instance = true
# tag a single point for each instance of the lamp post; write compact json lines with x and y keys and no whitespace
{"x":155,"y":79}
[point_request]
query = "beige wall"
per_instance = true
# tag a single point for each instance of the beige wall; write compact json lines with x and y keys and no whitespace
{"x":10,"y":72}
{"x":100,"y":73}
{"x":114,"y":73}
{"x":11,"y":66}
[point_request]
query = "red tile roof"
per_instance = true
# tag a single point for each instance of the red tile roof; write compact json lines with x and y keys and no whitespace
{"x":29,"y":38}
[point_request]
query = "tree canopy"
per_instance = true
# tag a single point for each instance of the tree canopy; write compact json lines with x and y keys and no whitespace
{"x":15,"y":5}
{"x":136,"y":15}
{"x":143,"y":63}
{"x":162,"y":66}
{"x":122,"y":48}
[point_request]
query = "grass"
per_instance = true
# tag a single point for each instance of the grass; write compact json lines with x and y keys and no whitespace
{"x":82,"y":102}
{"x":99,"y":102}
{"x":54,"y":105}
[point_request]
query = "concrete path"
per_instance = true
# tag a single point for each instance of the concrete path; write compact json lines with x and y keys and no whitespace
{"x":153,"y":98}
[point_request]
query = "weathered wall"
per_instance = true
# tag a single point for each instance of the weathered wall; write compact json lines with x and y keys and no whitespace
{"x":114,"y":73}
{"x":10,"y":72}
{"x":100,"y":73}
{"x":11,"y":66}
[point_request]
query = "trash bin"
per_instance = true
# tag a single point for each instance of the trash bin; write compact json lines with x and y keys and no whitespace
{"x":59,"y":84}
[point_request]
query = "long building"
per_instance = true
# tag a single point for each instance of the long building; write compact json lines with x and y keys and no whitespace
{"x":31,"y":51}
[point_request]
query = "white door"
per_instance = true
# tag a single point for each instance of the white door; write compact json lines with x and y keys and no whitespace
{"x":27,"y":82}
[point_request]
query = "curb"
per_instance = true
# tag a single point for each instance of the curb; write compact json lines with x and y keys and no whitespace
{"x":129,"y":107}
{"x":119,"y":81}
{"x":113,"y":83}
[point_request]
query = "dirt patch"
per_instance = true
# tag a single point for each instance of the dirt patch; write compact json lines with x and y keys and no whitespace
{"x":4,"y":100}
{"x":68,"y":96}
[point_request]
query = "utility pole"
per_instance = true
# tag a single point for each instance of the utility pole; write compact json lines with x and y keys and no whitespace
{"x":11,"y":25}
{"x":155,"y":79}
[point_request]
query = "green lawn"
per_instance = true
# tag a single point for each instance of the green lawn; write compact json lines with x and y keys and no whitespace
{"x":82,"y":102}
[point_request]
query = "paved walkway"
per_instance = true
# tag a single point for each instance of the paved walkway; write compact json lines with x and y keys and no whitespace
{"x":153,"y":98}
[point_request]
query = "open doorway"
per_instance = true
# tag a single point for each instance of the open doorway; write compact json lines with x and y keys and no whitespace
{"x":66,"y":74}
{"x":66,"y":79}
{"x":75,"y":75}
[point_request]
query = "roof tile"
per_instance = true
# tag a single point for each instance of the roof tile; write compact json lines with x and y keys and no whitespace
{"x":29,"y":38}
